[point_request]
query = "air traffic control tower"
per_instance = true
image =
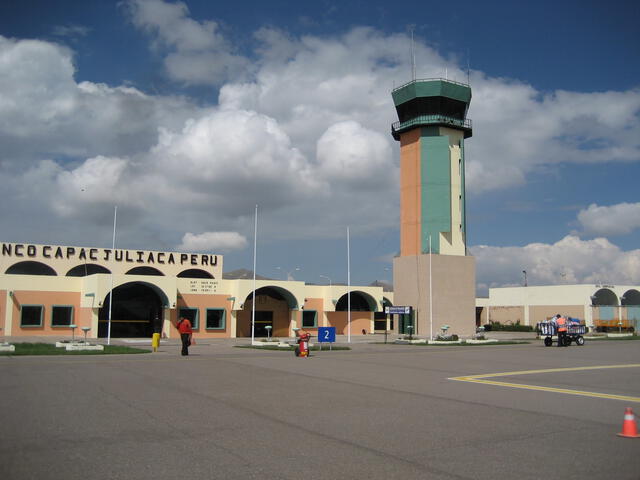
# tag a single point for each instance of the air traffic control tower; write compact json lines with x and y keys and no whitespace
{"x":433,"y":273}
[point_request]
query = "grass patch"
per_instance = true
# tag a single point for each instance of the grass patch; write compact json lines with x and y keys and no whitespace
{"x":315,"y":348}
{"x":617,"y":339}
{"x":505,"y":342}
{"x":455,"y":344}
{"x":51,"y":349}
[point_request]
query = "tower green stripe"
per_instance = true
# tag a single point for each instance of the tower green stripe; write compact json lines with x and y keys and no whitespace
{"x":435,"y":174}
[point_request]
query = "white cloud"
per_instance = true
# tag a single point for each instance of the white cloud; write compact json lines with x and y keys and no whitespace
{"x":45,"y":113}
{"x":517,"y":130}
{"x":71,"y":30}
{"x":349,"y":154}
{"x":570,"y":260}
{"x":234,"y":159}
{"x":97,"y":180}
{"x":198,"y":54}
{"x":212,"y":242}
{"x":304,"y":132}
{"x":611,"y":220}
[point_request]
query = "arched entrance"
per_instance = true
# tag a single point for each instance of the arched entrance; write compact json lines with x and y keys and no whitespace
{"x":136,"y":311}
{"x":631,"y":303}
{"x":273,"y":308}
{"x":604,"y":303}
{"x":361,"y":306}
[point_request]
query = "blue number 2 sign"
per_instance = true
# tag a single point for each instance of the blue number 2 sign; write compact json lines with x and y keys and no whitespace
{"x":327,"y":334}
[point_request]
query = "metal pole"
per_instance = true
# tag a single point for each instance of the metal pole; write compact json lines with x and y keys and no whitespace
{"x":253,"y":300}
{"x":113,"y":249}
{"x":348,"y":288}
{"x":430,"y":294}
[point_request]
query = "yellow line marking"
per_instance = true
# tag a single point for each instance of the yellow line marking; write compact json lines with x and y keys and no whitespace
{"x":481,"y":379}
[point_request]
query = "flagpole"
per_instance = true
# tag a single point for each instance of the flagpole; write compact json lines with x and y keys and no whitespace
{"x":430,"y":294}
{"x":348,"y":288}
{"x":113,"y":250}
{"x":253,"y":300}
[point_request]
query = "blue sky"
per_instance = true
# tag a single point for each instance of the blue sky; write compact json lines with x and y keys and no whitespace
{"x":186,"y":115}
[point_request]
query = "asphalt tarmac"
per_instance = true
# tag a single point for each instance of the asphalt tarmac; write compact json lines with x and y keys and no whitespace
{"x":375,"y":412}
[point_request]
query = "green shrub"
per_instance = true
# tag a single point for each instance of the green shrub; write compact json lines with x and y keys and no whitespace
{"x":508,"y":327}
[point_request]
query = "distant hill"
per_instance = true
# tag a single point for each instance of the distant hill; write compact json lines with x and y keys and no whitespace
{"x":386,"y":287}
{"x":242,"y":274}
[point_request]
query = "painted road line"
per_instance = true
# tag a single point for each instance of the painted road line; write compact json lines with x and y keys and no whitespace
{"x":482,"y":379}
{"x":550,"y":370}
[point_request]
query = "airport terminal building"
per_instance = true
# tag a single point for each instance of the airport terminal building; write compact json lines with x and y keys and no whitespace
{"x":46,"y":289}
{"x":599,"y":305}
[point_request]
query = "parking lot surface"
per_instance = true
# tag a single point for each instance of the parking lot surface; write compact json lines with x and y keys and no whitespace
{"x":375,"y":412}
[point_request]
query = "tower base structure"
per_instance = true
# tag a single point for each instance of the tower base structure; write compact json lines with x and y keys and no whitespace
{"x":452,"y":299}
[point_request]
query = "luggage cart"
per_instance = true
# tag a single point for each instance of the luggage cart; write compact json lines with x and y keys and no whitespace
{"x":575,"y":333}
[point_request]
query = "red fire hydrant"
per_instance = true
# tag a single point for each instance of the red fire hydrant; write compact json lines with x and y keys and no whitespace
{"x":302,"y":350}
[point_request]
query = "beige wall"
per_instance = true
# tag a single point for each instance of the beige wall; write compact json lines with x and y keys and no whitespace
{"x":359,"y":321}
{"x":317,"y":305}
{"x":453,"y":242}
{"x":63,"y":258}
{"x":47,"y":300}
{"x":541,"y":302}
{"x":202,"y":302}
{"x":542,"y":313}
{"x":453,"y":291}
{"x":507,"y":315}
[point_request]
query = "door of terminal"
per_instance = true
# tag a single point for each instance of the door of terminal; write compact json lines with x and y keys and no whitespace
{"x":263,"y":319}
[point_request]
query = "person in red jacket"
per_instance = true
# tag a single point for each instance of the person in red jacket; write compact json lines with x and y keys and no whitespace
{"x":184,"y":327}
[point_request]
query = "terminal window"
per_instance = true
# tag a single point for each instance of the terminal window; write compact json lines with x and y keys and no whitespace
{"x":191,"y":314}
{"x":31,"y":315}
{"x":61,"y":315}
{"x":215,"y":319}
{"x":309,"y":319}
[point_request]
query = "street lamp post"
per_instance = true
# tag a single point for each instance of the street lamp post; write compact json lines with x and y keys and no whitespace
{"x":525,"y":277}
{"x":289,"y":276}
{"x":324,"y":276}
{"x":622,"y":299}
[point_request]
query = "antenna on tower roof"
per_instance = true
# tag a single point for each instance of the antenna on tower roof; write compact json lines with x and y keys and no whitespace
{"x":413,"y":55}
{"x":468,"y":67}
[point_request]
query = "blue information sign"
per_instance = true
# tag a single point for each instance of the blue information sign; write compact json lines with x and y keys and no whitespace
{"x":326,"y":334}
{"x":397,"y":310}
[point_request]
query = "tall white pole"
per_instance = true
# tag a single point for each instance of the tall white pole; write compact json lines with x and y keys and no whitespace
{"x":430,"y":294}
{"x":348,"y":288}
{"x":113,"y":252}
{"x":253,"y":300}
{"x":413,"y":58}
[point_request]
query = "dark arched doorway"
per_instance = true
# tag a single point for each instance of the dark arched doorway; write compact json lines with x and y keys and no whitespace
{"x":30,"y":268}
{"x":353,"y":315}
{"x":273,"y":309}
{"x":136,"y":312}
{"x":631,"y":302}
{"x":380,"y":318}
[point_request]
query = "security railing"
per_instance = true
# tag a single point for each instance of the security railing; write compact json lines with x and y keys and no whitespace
{"x":397,"y":127}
